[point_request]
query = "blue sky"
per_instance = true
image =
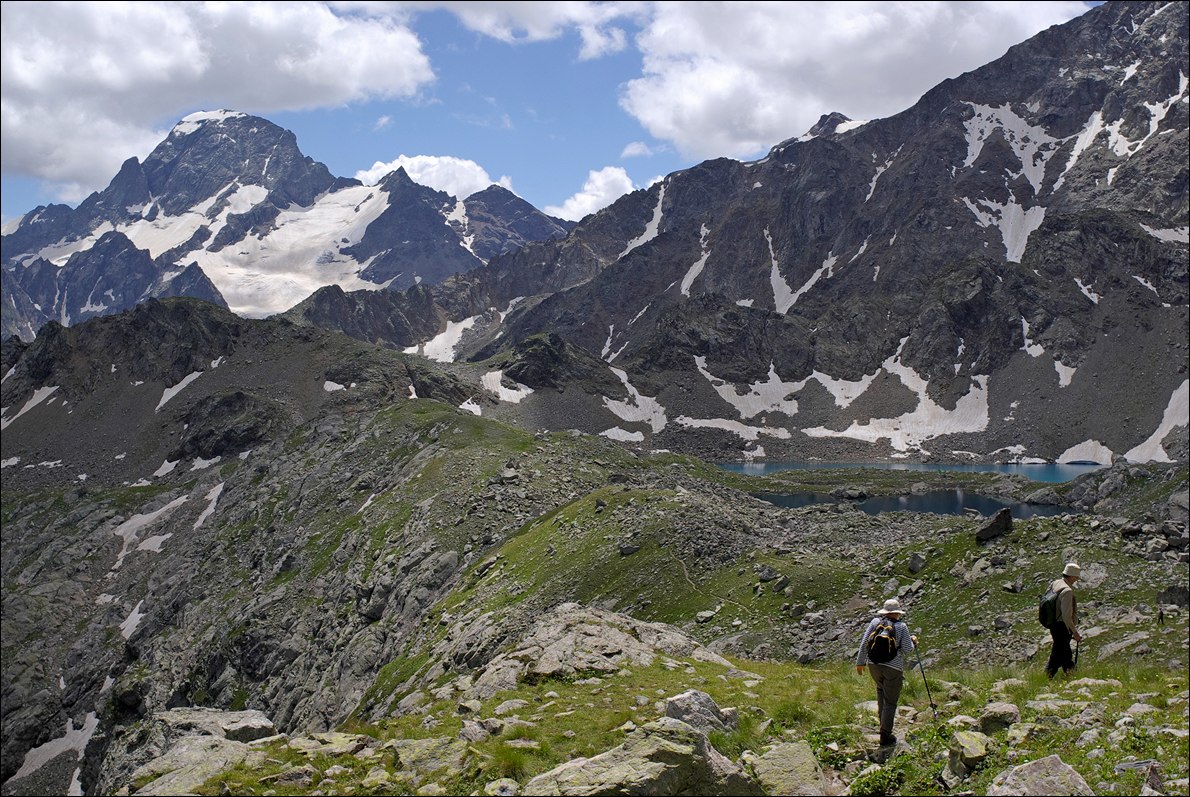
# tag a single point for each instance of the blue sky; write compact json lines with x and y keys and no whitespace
{"x":568,"y":104}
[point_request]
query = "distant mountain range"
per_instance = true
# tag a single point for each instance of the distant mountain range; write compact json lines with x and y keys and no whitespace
{"x":228,"y":209}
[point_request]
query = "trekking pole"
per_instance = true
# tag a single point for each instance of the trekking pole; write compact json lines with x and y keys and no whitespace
{"x":1076,"y":654}
{"x":920,"y":666}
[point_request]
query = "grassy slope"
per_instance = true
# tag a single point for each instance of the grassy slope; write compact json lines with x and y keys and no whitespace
{"x":571,"y":553}
{"x":560,"y":542}
{"x":787,"y":701}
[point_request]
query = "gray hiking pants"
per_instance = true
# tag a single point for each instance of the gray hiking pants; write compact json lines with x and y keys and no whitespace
{"x":888,"y":691}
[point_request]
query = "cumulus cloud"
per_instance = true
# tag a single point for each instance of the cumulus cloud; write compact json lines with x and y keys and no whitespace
{"x":602,"y":188}
{"x":636,"y":149}
{"x":531,"y":22}
{"x":458,"y":177}
{"x":734,"y":79}
{"x":86,"y":85}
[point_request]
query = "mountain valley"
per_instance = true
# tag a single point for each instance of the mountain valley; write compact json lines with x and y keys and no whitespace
{"x":312,"y":487}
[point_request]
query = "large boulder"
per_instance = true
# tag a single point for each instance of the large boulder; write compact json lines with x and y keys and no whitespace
{"x":665,"y":757}
{"x":427,"y":756}
{"x":177,"y":750}
{"x":789,"y":769}
{"x":1045,"y":776}
{"x":699,"y":711}
{"x":188,"y":764}
{"x":575,"y":640}
{"x":999,"y":525}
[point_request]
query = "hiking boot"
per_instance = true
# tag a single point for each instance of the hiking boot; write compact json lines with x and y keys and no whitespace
{"x":887,"y":740}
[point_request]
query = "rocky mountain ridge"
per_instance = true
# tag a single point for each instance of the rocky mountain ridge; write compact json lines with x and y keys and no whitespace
{"x":986,"y":275}
{"x":410,"y":565}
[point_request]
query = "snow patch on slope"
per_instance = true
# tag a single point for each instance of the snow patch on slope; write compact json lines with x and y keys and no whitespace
{"x":772,"y":395}
{"x":926,"y":421}
{"x":1014,"y":221}
{"x":636,"y":408}
{"x":699,"y":264}
{"x":493,"y":383}
{"x":442,"y":346}
{"x":651,"y":228}
{"x":1176,"y":413}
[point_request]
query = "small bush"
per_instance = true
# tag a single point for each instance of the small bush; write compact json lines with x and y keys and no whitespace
{"x":839,"y":735}
{"x":791,"y":714}
{"x":508,"y":762}
{"x":879,"y":782}
{"x":733,"y":743}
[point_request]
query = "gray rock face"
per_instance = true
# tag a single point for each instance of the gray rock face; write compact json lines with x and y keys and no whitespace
{"x":575,"y":640}
{"x":788,"y":769}
{"x":699,"y":711}
{"x":666,"y":757}
{"x":1045,"y":776}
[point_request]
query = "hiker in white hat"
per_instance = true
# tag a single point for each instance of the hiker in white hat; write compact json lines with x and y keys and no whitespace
{"x":885,"y":640}
{"x":1066,"y":626}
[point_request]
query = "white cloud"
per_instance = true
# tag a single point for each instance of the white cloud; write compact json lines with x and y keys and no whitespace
{"x":86,"y":85}
{"x":382,"y":123}
{"x":602,"y":188}
{"x":83,"y":86}
{"x":458,"y":177}
{"x":734,"y":79}
{"x":532,"y":22}
{"x":636,"y":149}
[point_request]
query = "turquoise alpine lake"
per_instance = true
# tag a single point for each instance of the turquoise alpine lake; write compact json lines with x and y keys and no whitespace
{"x":1048,"y":472}
{"x":938,"y":502}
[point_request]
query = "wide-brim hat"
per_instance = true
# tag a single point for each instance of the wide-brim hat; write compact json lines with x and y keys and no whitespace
{"x":1072,"y":569}
{"x":891,"y":606}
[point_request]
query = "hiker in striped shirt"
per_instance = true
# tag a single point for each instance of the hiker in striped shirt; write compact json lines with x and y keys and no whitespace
{"x":881,"y":650}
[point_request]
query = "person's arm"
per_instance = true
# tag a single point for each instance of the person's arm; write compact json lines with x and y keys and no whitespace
{"x":907,"y":643}
{"x":1066,"y":611}
{"x":861,"y":658}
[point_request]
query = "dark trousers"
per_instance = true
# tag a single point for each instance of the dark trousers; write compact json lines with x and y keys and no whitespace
{"x":1060,"y":656}
{"x":889,"y":681}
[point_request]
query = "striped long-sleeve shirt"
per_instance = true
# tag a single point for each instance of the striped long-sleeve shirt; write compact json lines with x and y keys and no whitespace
{"x":904,"y":645}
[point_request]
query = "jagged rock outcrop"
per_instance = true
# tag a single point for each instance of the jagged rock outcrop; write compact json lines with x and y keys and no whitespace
{"x":571,"y":640}
{"x":665,"y":757}
{"x":176,"y":751}
{"x":1045,"y":776}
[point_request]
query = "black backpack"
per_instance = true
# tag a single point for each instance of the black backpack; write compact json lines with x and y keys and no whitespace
{"x":882,"y":642}
{"x":1047,"y":609}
